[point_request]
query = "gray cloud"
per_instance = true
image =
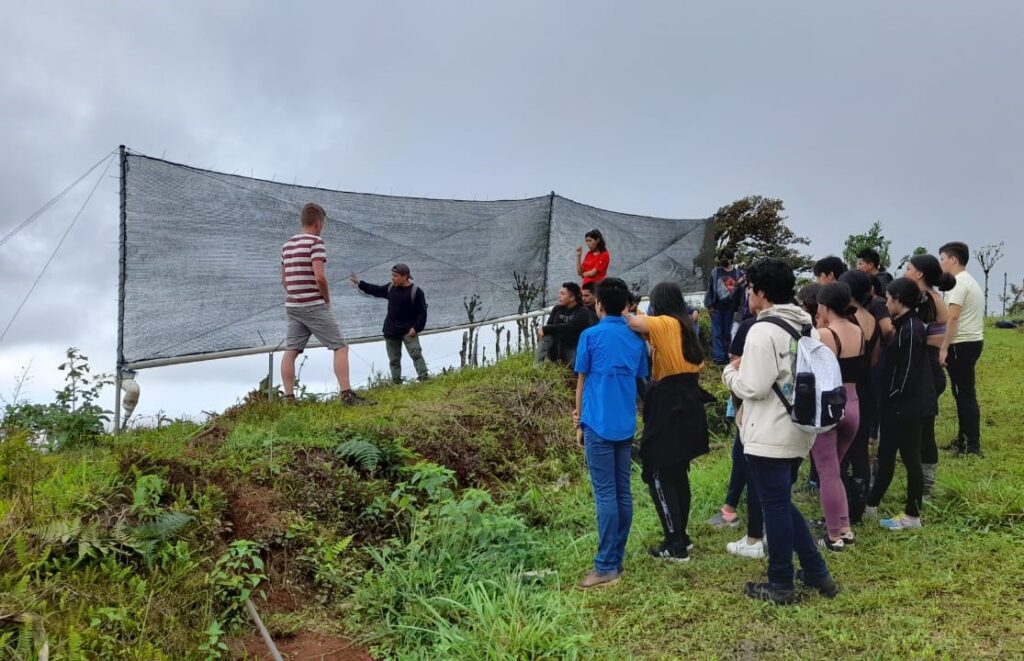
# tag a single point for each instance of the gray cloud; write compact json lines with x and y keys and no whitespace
{"x":896,"y":112}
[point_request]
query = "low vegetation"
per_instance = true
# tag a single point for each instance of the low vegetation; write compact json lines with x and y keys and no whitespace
{"x":451,"y":521}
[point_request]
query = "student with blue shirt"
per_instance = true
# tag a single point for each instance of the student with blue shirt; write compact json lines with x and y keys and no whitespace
{"x":609,"y":359}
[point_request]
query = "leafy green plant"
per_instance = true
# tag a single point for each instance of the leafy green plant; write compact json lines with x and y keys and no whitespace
{"x":74,"y":417}
{"x":360,"y":453}
{"x":236,"y":576}
{"x":214,"y":646}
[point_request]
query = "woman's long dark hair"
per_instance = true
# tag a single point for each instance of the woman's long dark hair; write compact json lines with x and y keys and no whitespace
{"x":860,"y":286}
{"x":934,"y":277}
{"x":667,"y":300}
{"x":597,"y":236}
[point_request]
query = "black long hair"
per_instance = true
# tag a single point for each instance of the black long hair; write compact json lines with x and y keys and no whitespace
{"x":667,"y":300}
{"x":934,"y":277}
{"x":597,"y":236}
{"x":860,"y":286}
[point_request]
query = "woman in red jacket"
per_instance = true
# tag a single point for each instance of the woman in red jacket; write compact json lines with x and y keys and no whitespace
{"x":593,"y":267}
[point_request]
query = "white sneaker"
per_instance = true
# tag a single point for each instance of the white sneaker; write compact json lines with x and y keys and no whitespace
{"x":744,"y":549}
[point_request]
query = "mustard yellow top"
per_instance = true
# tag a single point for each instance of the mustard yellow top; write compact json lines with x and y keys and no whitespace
{"x":666,"y":338}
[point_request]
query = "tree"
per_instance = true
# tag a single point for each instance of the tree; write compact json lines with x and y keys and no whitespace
{"x":754,"y":227}
{"x":872,"y":239}
{"x":987,"y":257}
{"x":920,"y":250}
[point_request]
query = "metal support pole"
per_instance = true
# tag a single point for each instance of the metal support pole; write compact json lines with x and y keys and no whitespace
{"x":270,"y":377}
{"x":122,"y":259}
{"x":117,"y":403}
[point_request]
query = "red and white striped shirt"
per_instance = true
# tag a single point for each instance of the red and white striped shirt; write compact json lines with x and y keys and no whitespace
{"x":297,"y":257}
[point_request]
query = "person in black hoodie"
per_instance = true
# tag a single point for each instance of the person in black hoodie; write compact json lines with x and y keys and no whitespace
{"x":406,"y":318}
{"x":909,"y":403}
{"x":557,"y":339}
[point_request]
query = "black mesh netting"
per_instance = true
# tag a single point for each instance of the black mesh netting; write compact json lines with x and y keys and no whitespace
{"x":203,"y":254}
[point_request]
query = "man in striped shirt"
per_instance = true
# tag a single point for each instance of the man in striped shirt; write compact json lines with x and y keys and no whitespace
{"x":308,"y":304}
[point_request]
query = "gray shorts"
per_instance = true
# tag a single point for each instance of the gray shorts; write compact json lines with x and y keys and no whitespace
{"x":315,"y":320}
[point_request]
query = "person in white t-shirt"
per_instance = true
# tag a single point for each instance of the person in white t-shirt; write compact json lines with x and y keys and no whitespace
{"x":961,"y":347}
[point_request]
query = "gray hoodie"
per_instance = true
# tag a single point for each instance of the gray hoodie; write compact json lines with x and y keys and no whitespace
{"x":769,"y":357}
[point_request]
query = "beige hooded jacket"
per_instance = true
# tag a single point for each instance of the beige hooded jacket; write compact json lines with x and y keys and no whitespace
{"x":769,"y":356}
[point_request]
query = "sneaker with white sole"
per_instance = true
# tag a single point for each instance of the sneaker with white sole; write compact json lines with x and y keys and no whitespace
{"x":669,"y":553}
{"x":901,"y":522}
{"x":745,"y":549}
{"x":720,"y":520}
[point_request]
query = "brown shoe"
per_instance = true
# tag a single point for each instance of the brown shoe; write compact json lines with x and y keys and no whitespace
{"x":597,"y":579}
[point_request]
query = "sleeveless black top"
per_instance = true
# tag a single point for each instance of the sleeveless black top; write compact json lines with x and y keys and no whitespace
{"x":854,"y":368}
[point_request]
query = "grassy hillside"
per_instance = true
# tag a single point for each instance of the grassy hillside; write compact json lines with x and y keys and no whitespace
{"x":452,"y":521}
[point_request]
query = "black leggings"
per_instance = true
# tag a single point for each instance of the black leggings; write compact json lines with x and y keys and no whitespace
{"x":670,"y":491}
{"x":904,"y":436}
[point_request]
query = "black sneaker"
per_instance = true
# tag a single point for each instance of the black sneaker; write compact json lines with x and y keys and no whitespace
{"x":765,"y":592}
{"x":829,"y":545}
{"x":827,"y":588}
{"x":350,"y":398}
{"x":670,"y":553}
{"x":957,"y":446}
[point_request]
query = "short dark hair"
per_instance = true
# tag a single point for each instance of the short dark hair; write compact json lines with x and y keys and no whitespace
{"x":590,"y":287}
{"x":311,"y":213}
{"x":774,"y":278}
{"x":830,"y":264}
{"x":870,"y":255}
{"x":613,"y":295}
{"x":401,"y":269}
{"x":957,"y":249}
{"x":573,"y":289}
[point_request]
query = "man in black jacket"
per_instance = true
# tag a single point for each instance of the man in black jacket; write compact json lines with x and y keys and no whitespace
{"x":559,"y":336}
{"x":407,"y":315}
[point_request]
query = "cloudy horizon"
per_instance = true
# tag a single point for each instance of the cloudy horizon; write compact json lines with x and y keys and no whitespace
{"x":903,"y":113}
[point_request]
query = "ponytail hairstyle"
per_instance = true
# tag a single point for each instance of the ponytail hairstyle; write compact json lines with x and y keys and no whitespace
{"x":906,"y":292}
{"x":934,"y":277}
{"x":807,"y":297}
{"x":597,"y":236}
{"x":667,"y":300}
{"x":933,"y":274}
{"x":860,"y":286}
{"x":836,"y":297}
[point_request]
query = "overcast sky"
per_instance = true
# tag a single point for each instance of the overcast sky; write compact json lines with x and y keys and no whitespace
{"x":906,"y":113}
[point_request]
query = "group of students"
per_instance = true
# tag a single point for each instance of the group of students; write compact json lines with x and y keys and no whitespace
{"x":890,"y":338}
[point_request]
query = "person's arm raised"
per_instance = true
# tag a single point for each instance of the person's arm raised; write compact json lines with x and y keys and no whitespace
{"x":638,"y":324}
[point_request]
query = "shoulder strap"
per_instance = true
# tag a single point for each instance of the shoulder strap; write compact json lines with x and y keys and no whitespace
{"x":804,"y":331}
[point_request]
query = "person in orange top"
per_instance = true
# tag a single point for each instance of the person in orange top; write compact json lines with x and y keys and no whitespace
{"x":593,"y":267}
{"x":675,"y":423}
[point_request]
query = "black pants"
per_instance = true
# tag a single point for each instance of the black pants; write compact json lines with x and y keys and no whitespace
{"x":737,"y":475}
{"x":670,"y":491}
{"x":960,"y":363}
{"x":904,"y":436}
{"x":755,"y":514}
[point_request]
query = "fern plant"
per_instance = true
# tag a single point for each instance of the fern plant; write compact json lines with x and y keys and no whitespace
{"x":360,"y":452}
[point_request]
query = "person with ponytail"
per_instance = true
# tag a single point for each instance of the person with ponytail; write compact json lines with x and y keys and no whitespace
{"x":856,"y":467}
{"x":847,"y":341}
{"x":908,"y":404}
{"x":926,"y":272}
{"x":675,"y":423}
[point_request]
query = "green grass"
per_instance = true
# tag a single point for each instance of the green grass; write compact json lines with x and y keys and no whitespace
{"x":452,"y":521}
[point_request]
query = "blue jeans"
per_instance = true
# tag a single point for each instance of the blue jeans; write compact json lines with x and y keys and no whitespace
{"x":721,"y":334}
{"x":609,"y":464}
{"x":784,"y":525}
